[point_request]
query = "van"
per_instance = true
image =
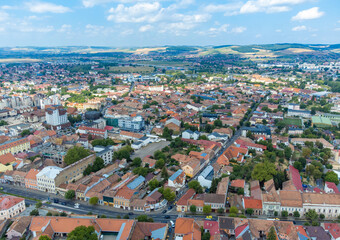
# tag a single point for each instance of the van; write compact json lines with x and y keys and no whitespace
{"x":172,"y":224}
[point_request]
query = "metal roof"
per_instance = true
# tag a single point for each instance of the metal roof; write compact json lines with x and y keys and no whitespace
{"x":175,"y":175}
{"x":135,"y":183}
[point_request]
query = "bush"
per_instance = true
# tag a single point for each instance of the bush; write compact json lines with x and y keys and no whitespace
{"x":284,"y":214}
{"x":63,"y":214}
{"x":233,"y":209}
{"x":38,"y":204}
{"x":34,"y":212}
{"x":296,"y":214}
{"x":49,"y":214}
{"x":93,"y":200}
{"x":70,"y":194}
{"x":232,"y":215}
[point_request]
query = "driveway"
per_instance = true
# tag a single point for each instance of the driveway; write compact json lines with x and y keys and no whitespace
{"x":149,"y":149}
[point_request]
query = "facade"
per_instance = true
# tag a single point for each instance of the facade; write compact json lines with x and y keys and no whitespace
{"x":46,"y":178}
{"x":15,"y":146}
{"x":56,"y":116}
{"x":125,"y":122}
{"x":92,"y":131}
{"x":11,"y":206}
{"x":299,"y":113}
{"x":31,"y":179}
{"x":205,"y":178}
{"x":123,"y":198}
{"x":177,"y":180}
{"x":188,"y":134}
{"x":106,"y":153}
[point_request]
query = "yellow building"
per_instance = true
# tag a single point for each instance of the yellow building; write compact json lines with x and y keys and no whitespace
{"x":15,"y":146}
{"x":191,"y":168}
{"x":6,"y":162}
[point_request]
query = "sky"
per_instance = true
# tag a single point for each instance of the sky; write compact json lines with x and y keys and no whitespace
{"x":149,"y":23}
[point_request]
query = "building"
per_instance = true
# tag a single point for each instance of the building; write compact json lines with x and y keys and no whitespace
{"x":206,"y":177}
{"x":188,"y":134}
{"x":187,"y":228}
{"x":46,"y":178}
{"x":6,"y":162}
{"x":177,"y":180}
{"x":56,"y":117}
{"x":127,"y":123}
{"x":216,"y":201}
{"x":15,"y":146}
{"x":123,"y":198}
{"x":92,"y":131}
{"x":31,"y":179}
{"x":299,"y":113}
{"x":182,"y":203}
{"x":301,"y":141}
{"x":11,"y":206}
{"x":106,"y":153}
{"x":18,"y":228}
{"x":150,"y":230}
{"x":174,"y":125}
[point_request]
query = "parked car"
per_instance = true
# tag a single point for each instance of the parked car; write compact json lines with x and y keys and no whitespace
{"x":76,"y":205}
{"x":164,"y":211}
{"x":63,"y":203}
{"x":130,"y":213}
{"x":170,"y":207}
{"x":167,"y":217}
{"x":56,"y":200}
{"x":208,"y":217}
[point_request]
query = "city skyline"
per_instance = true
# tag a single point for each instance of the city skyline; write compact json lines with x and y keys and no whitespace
{"x":125,"y":23}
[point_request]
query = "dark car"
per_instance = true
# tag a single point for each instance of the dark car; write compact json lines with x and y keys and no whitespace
{"x":170,"y":207}
{"x":63,"y":203}
{"x":164,"y":211}
{"x":130,"y":213}
{"x":167,"y":217}
{"x":56,"y":200}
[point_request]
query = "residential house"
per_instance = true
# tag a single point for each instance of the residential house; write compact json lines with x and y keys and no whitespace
{"x":182,"y":203}
{"x":46,"y":178}
{"x":216,"y":201}
{"x":174,"y":125}
{"x":255,"y":204}
{"x":188,"y":134}
{"x":123,"y":198}
{"x":6,"y":162}
{"x":11,"y":206}
{"x":149,"y":230}
{"x":206,"y":177}
{"x":31,"y":179}
{"x":191,"y":168}
{"x":317,"y":233}
{"x":187,"y":228}
{"x":19,"y":228}
{"x":330,"y":187}
{"x":177,"y":180}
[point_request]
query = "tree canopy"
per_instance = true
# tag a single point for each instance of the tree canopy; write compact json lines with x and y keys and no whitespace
{"x":82,"y":232}
{"x":264,"y":171}
{"x":75,"y":154}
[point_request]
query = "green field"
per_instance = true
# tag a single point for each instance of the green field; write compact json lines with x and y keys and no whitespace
{"x":293,"y":121}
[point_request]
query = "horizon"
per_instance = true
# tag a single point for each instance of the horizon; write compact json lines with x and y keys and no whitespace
{"x":127,"y":23}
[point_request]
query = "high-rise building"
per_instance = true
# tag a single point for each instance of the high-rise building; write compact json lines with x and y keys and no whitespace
{"x":56,"y":116}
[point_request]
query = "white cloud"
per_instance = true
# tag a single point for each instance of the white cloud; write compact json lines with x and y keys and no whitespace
{"x":92,"y":3}
{"x":216,"y":30}
{"x":65,"y":28}
{"x":3,"y":16}
{"x":239,"y":29}
{"x":336,"y":29}
{"x":268,"y":6}
{"x":228,"y":9}
{"x":140,"y":12}
{"x":299,"y":28}
{"x":307,"y":14}
{"x":278,"y":30}
{"x":145,"y":28}
{"x":44,"y":7}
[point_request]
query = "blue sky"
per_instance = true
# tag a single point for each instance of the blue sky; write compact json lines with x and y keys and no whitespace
{"x":132,"y":23}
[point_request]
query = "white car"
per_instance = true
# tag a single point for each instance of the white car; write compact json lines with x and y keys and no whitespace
{"x":76,"y":205}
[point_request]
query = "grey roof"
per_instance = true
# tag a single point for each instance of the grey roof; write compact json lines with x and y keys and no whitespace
{"x":226,"y":223}
{"x":207,"y":171}
{"x":317,"y":233}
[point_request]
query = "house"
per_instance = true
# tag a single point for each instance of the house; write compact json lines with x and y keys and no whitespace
{"x":123,"y":198}
{"x":199,"y":204}
{"x":257,"y":130}
{"x":188,"y":134}
{"x":19,"y":227}
{"x":250,"y":145}
{"x":232,"y":153}
{"x":150,"y":161}
{"x":295,"y":131}
{"x":92,"y":131}
{"x":130,"y":135}
{"x":136,"y":183}
{"x":238,"y":183}
{"x":328,"y":205}
{"x":153,"y":200}
{"x":212,"y":227}
{"x":142,"y":142}
{"x":187,"y":228}
{"x":317,"y":233}
{"x":6,"y":162}
{"x":224,"y":131}
{"x":206,"y":177}
{"x":11,"y":206}
{"x":174,"y":125}
{"x":177,"y":180}
{"x":149,"y":230}
{"x":222,"y":187}
{"x":31,"y":179}
{"x":182,"y":203}
{"x":105,"y":153}
{"x":255,"y":190}
{"x":191,"y":168}
{"x":227,"y":226}
{"x":215,"y":136}
{"x":301,"y":141}
{"x":333,"y":229}
{"x":216,"y":201}
{"x":255,"y":204}
{"x":330,"y":187}
{"x":46,"y":178}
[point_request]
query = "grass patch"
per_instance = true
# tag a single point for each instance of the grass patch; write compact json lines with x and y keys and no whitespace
{"x":17,"y":195}
{"x":293,"y":121}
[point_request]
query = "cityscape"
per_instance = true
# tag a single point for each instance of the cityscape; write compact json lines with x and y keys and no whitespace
{"x":183,"y":128}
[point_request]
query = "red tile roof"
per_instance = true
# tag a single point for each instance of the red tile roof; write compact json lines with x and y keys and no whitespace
{"x":295,"y":177}
{"x":7,"y":202}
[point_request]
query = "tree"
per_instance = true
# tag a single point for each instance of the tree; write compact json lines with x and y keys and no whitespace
{"x":153,"y":184}
{"x":144,"y":218}
{"x":82,"y":232}
{"x":233,"y":209}
{"x":70,"y":194}
{"x":306,"y":152}
{"x":196,"y":186}
{"x":264,"y":171}
{"x":169,"y":195}
{"x":296,"y":214}
{"x":75,"y":154}
{"x":322,"y":216}
{"x":317,"y":174}
{"x":271,"y":234}
{"x":96,"y":166}
{"x":193,"y":208}
{"x":220,"y":210}
{"x":298,"y":166}
{"x":63,"y":214}
{"x":164,"y":174}
{"x":332,"y":177}
{"x":206,"y":209}
{"x":311,"y":215}
{"x":284,"y":214}
{"x":218,"y":123}
{"x":38,"y":204}
{"x":249,"y":211}
{"x":160,"y":164}
{"x":49,"y":213}
{"x":137,"y":162}
{"x":25,"y":133}
{"x":240,"y":191}
{"x":34,"y":212}
{"x":93,"y":200}
{"x":206,"y":236}
{"x":126,"y":216}
{"x":44,"y":237}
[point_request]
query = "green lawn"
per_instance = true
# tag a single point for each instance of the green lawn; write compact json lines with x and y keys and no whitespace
{"x":293,"y":121}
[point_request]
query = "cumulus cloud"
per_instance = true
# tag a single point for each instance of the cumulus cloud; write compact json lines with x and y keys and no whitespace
{"x":308,"y":14}
{"x":239,"y":29}
{"x":65,"y":28}
{"x":140,"y":12}
{"x":299,"y":28}
{"x":145,"y":28}
{"x":268,"y":6}
{"x":44,"y":7}
{"x":3,"y":16}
